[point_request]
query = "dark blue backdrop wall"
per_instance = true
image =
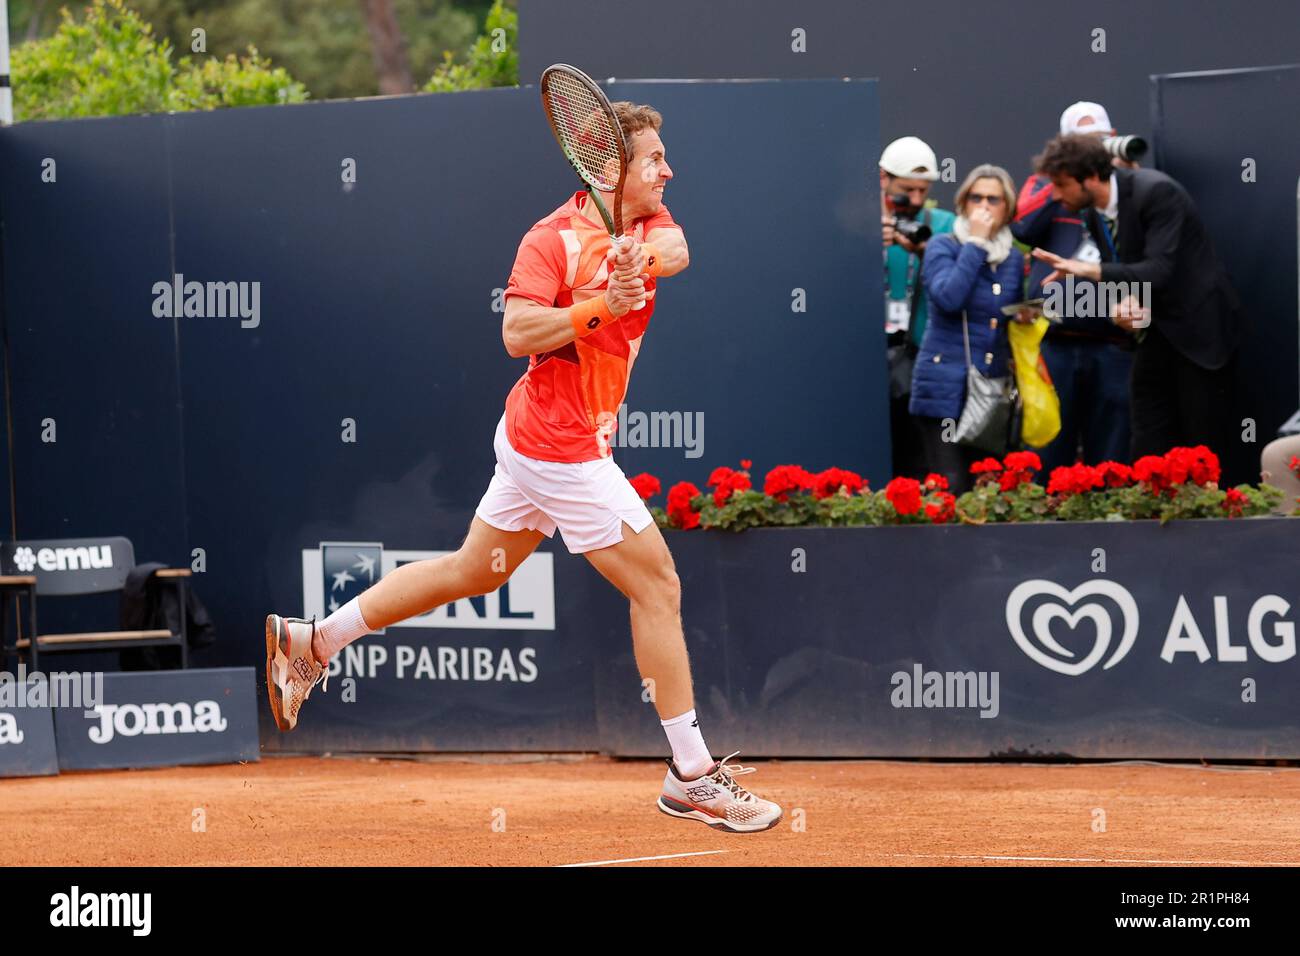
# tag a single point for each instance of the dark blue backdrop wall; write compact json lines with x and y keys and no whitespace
{"x":987,"y":83}
{"x":1218,"y":134}
{"x":376,"y":305}
{"x":979,"y":82}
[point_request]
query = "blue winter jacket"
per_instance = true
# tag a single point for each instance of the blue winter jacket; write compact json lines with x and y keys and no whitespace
{"x":957,"y":276}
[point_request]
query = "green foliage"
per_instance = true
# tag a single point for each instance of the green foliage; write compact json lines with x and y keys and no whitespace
{"x":235,"y":81}
{"x":987,"y":502}
{"x":324,"y":44}
{"x":109,"y":63}
{"x":493,"y":59}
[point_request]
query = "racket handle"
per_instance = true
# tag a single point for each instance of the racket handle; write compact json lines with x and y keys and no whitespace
{"x":618,"y":243}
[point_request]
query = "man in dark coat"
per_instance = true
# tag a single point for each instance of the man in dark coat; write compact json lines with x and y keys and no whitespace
{"x":1175,"y":294}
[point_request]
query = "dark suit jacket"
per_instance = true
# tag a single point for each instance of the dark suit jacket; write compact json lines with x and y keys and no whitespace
{"x":1162,"y":240}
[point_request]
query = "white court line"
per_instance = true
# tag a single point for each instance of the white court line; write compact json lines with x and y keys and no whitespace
{"x":642,"y":859}
{"x":1080,"y":859}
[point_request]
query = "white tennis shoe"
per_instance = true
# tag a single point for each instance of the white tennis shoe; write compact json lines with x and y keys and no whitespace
{"x":291,"y":668}
{"x":714,"y":798}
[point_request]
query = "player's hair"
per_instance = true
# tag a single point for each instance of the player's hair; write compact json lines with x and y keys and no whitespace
{"x":1078,"y":155}
{"x":634,"y":117}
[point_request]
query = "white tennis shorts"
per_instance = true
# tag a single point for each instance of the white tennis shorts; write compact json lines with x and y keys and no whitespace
{"x":587,"y":500}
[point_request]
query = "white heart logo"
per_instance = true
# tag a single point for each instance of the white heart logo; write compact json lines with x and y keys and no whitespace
{"x":1048,"y":612}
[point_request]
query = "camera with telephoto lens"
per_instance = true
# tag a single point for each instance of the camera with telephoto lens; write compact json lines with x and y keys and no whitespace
{"x":904,"y":225}
{"x":1130,"y":148}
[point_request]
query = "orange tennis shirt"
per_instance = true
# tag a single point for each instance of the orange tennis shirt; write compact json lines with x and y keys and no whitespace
{"x":565,"y":407}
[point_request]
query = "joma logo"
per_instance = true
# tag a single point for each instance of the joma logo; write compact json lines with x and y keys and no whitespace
{"x":131,"y":720}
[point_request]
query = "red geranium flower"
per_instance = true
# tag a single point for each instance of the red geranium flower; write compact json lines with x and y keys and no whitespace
{"x":782,"y":480}
{"x":1203,"y":465}
{"x":905,"y":495}
{"x":1154,"y":470}
{"x":985,"y":466}
{"x":1294,"y":464}
{"x":746,"y":464}
{"x":1233,"y":503}
{"x":1115,"y":475}
{"x":1019,"y":467}
{"x":1022,"y":461}
{"x":679,"y":508}
{"x":719,"y":475}
{"x":1060,"y":482}
{"x":942,"y":511}
{"x":732,"y":481}
{"x":830,"y":481}
{"x":935,"y":482}
{"x":1074,"y":479}
{"x":646,"y":485}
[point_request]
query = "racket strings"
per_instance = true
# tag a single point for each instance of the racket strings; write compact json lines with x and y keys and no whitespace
{"x":585,"y":129}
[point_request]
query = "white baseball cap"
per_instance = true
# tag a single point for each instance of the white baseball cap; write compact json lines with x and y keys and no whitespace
{"x":910,"y":158}
{"x":1072,"y":120}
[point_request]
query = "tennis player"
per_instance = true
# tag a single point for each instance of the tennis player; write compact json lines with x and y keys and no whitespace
{"x":579,"y":310}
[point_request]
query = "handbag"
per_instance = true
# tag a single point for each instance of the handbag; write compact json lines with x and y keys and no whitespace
{"x":991,"y":403}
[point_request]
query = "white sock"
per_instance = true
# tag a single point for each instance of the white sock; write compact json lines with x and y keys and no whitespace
{"x":689,"y":753}
{"x":339,"y":630}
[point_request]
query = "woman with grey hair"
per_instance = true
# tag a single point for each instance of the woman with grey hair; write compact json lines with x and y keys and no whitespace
{"x":968,"y":276}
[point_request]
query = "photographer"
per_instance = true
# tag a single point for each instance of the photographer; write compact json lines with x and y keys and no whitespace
{"x":1088,"y":358}
{"x":1150,"y":234}
{"x":907,"y":168}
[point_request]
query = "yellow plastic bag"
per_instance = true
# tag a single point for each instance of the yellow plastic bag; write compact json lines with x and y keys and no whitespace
{"x":1041,"y":406}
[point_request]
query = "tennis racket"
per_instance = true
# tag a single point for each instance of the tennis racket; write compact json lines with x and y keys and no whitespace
{"x":591,"y":138}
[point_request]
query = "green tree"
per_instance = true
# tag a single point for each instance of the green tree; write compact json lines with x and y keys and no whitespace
{"x":322,"y":43}
{"x":493,"y":59}
{"x":235,"y":81}
{"x":110,"y":63}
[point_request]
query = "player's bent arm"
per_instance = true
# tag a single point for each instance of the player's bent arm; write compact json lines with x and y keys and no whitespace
{"x":673,"y":252}
{"x":529,"y":328}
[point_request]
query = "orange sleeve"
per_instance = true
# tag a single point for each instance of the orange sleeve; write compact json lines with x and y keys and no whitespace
{"x":538,"y":272}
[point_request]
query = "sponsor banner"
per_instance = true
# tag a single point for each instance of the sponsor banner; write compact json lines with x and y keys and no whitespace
{"x":1098,"y":639}
{"x":70,"y":565}
{"x":162,"y":719}
{"x":336,"y":572}
{"x":496,"y":672}
{"x":27,"y":738}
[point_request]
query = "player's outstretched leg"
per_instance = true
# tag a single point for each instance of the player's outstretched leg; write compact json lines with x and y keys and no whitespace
{"x":696,"y":787}
{"x":298,"y":652}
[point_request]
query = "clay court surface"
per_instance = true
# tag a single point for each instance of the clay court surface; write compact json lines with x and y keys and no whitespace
{"x":343,"y":811}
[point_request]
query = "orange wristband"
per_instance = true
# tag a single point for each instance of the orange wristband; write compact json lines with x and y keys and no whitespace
{"x":590,"y":315}
{"x":654,"y":263}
